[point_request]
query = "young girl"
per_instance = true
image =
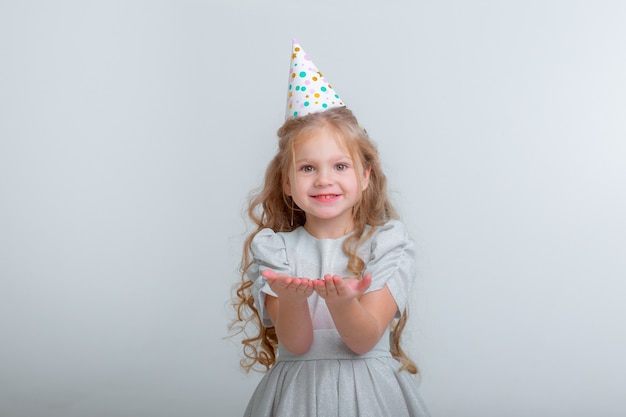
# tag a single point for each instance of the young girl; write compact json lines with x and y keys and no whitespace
{"x":327,"y":270}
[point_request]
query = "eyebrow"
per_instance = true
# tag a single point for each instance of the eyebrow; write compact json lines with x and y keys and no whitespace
{"x":334,"y":158}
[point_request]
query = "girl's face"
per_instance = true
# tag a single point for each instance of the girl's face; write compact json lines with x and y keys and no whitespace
{"x":324,"y":183}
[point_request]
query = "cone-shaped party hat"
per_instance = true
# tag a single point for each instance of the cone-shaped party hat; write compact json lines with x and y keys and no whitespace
{"x":309,"y":92}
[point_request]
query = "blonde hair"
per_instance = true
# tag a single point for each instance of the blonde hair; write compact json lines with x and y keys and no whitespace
{"x":269,"y":207}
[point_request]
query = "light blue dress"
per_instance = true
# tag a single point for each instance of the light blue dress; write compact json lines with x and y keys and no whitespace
{"x":330,"y":380}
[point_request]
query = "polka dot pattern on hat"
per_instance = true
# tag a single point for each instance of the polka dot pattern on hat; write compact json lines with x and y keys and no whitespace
{"x":309,"y":92}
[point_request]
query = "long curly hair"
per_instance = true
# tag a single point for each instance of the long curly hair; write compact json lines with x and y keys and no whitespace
{"x":269,"y":207}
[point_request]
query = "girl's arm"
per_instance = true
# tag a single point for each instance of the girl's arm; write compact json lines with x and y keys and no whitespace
{"x":361,"y":320}
{"x":289,"y":311}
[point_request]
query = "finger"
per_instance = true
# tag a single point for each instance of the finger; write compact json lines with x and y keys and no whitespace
{"x":330,"y":282}
{"x":270,"y":275}
{"x":320,"y":287}
{"x":364,"y":283}
{"x":306,"y":287}
{"x":338,"y":284}
{"x":281,"y":281}
{"x":300,"y":284}
{"x":275,"y":284}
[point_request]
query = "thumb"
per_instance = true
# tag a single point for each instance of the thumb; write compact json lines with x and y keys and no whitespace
{"x":269,"y":274}
{"x":364,"y":283}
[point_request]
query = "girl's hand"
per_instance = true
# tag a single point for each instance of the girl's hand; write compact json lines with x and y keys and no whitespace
{"x":288,"y":287}
{"x":336,"y":290}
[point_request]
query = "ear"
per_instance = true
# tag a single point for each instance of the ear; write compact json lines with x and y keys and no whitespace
{"x":365,"y":181}
{"x":287,"y":186}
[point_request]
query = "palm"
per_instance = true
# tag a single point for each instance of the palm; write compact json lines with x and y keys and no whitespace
{"x":334,"y":289}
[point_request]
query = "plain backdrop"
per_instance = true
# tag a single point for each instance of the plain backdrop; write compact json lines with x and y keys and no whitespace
{"x":131,"y":133}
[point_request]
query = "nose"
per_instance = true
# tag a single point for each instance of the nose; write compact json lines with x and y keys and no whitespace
{"x":324,"y":177}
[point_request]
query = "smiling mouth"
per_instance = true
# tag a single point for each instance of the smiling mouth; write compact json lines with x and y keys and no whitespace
{"x":325,"y":196}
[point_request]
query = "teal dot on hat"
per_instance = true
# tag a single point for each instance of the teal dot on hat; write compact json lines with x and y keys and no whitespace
{"x":303,"y":88}
{"x":336,"y":96}
{"x":302,"y":74}
{"x":323,"y":88}
{"x":324,"y":105}
{"x":295,"y":113}
{"x":306,"y":103}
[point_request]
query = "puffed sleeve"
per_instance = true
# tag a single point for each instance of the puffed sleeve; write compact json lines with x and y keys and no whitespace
{"x":392,"y":261}
{"x":268,"y":252}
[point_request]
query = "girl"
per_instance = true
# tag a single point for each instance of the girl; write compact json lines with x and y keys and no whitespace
{"x":326,"y":272}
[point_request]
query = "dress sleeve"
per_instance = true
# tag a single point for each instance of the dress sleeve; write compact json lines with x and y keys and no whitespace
{"x":392,"y":262}
{"x":268,"y":252}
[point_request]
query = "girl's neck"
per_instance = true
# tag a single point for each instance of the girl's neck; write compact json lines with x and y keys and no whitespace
{"x":328,"y":229}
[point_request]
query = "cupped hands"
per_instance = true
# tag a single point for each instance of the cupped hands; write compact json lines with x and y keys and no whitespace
{"x":332,"y":288}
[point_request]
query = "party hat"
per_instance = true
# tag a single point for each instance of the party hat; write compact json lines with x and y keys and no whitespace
{"x":309,"y":92}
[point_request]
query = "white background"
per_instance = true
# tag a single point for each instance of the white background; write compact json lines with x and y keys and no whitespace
{"x":132,"y":131}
